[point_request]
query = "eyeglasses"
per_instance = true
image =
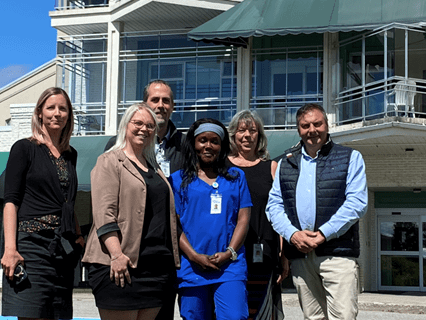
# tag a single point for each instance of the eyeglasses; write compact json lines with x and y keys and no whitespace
{"x":139,"y":125}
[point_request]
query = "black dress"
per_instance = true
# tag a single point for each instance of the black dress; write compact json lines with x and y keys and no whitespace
{"x":41,"y":186}
{"x":262,"y":276}
{"x":155,"y":274}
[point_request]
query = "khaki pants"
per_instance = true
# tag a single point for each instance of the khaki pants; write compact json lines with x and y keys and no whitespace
{"x":327,"y":286}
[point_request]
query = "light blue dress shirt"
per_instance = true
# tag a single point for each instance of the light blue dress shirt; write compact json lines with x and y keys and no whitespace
{"x":354,"y":207}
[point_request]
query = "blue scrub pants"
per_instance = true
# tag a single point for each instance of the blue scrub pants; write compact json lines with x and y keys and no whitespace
{"x":228,"y":299}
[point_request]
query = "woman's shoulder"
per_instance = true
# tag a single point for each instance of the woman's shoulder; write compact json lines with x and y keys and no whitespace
{"x":176,"y":177}
{"x":237,"y":172}
{"x":26,"y":142}
{"x":24,"y":146}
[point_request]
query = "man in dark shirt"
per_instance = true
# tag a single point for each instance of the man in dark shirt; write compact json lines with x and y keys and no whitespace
{"x":159,"y":97}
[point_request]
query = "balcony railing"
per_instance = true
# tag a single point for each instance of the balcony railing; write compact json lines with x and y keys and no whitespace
{"x":186,"y":112}
{"x":80,"y":4}
{"x":395,"y":96}
{"x":279,"y":112}
{"x":89,"y":119}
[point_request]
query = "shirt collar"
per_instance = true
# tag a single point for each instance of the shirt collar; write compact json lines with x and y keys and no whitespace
{"x":307,"y":156}
{"x":166,"y":137}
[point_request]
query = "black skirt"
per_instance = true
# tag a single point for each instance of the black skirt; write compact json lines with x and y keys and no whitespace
{"x":151,"y":280}
{"x":47,"y":292}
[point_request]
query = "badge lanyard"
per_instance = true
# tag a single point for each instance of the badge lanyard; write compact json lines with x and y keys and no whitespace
{"x":215,"y":200}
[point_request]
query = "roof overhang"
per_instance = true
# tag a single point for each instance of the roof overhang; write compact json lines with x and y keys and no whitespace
{"x":139,"y":15}
{"x":256,"y":18}
{"x":395,"y":135}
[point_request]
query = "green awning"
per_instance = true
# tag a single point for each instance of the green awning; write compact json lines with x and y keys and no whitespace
{"x":281,"y":140}
{"x":281,"y":17}
{"x":89,"y":148}
{"x":3,"y":160}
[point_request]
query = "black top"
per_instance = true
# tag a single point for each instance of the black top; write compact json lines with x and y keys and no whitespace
{"x":155,"y":237}
{"x":32,"y":183}
{"x":259,"y":181}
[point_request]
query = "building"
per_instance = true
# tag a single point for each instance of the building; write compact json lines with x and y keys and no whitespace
{"x":366,"y":64}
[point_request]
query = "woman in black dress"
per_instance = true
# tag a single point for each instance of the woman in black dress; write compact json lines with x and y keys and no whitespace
{"x":41,"y":231}
{"x":266,"y":264}
{"x":132,"y":249}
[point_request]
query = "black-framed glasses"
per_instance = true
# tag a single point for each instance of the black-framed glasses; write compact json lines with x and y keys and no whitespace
{"x":139,"y":125}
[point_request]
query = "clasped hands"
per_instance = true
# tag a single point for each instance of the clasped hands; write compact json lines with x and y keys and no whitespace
{"x":305,"y":241}
{"x":213,"y":262}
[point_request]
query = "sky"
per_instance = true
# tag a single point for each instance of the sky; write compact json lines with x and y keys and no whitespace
{"x":27,"y":41}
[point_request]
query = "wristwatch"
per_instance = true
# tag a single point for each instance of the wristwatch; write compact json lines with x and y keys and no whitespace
{"x":234,"y":255}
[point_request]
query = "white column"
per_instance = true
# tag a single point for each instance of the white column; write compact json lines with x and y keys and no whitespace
{"x":331,"y":75}
{"x":112,"y":81}
{"x":244,"y":77}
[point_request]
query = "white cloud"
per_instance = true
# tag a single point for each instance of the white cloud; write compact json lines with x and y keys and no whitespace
{"x":11,"y":73}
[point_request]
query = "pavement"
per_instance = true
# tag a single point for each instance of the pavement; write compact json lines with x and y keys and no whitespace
{"x":372,"y":306}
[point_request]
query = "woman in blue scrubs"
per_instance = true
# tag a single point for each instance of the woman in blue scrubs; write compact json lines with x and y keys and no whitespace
{"x":213,"y":203}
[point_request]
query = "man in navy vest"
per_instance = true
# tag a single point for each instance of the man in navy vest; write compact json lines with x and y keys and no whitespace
{"x":317,"y":198}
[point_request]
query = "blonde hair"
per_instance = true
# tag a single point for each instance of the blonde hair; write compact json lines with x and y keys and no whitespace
{"x":149,"y":150}
{"x":38,"y":134}
{"x":248,"y":117}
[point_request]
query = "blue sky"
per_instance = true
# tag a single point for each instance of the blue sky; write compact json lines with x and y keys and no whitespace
{"x":27,"y":40}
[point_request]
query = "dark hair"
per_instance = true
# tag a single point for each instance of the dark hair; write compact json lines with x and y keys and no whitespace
{"x":191,"y":161}
{"x":157,"y":81}
{"x":309,"y":107}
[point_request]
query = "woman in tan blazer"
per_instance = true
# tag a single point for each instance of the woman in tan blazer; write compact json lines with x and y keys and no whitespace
{"x":132,"y":250}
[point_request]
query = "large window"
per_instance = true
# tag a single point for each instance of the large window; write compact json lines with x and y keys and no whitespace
{"x":82,"y":74}
{"x":402,"y":251}
{"x":287,"y":73}
{"x":382,"y":74}
{"x":202,"y":76}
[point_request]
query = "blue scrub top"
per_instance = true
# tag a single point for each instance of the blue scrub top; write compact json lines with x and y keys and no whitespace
{"x":210,"y":233}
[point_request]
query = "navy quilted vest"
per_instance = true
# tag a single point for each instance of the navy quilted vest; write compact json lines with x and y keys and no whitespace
{"x":331,"y":172}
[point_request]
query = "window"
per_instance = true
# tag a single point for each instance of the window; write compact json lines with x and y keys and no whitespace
{"x":285,"y":77}
{"x":202,"y":77}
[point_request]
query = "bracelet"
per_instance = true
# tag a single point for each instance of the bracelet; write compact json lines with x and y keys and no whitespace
{"x":113,"y":259}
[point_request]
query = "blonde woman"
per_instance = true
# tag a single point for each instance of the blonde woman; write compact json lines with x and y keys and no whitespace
{"x":132,"y":249}
{"x":41,"y":231}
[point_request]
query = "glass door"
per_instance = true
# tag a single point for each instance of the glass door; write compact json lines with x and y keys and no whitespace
{"x":402,"y":253}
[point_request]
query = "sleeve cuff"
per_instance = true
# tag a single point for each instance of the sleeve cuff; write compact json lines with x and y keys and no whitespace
{"x":292,"y":230}
{"x":327,"y":232}
{"x":107,"y":228}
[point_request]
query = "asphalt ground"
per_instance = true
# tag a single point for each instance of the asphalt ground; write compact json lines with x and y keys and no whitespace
{"x":372,"y":306}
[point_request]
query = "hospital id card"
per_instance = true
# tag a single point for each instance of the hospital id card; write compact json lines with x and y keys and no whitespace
{"x":216,"y":203}
{"x":165,"y":167}
{"x":257,"y":253}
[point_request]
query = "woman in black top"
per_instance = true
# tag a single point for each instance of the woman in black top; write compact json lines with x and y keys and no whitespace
{"x":249,"y":153}
{"x":41,"y":231}
{"x":132,"y":249}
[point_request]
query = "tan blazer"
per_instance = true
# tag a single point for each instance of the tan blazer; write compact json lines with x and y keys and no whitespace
{"x":118,"y":202}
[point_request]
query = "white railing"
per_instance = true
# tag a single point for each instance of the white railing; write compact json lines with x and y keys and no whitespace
{"x":395,"y":96}
{"x":186,"y":112}
{"x":279,"y":112}
{"x":80,"y":4}
{"x":89,"y":120}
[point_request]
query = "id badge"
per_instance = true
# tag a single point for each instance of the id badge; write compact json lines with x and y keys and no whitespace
{"x":216,"y":203}
{"x":257,"y":253}
{"x":165,"y":167}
